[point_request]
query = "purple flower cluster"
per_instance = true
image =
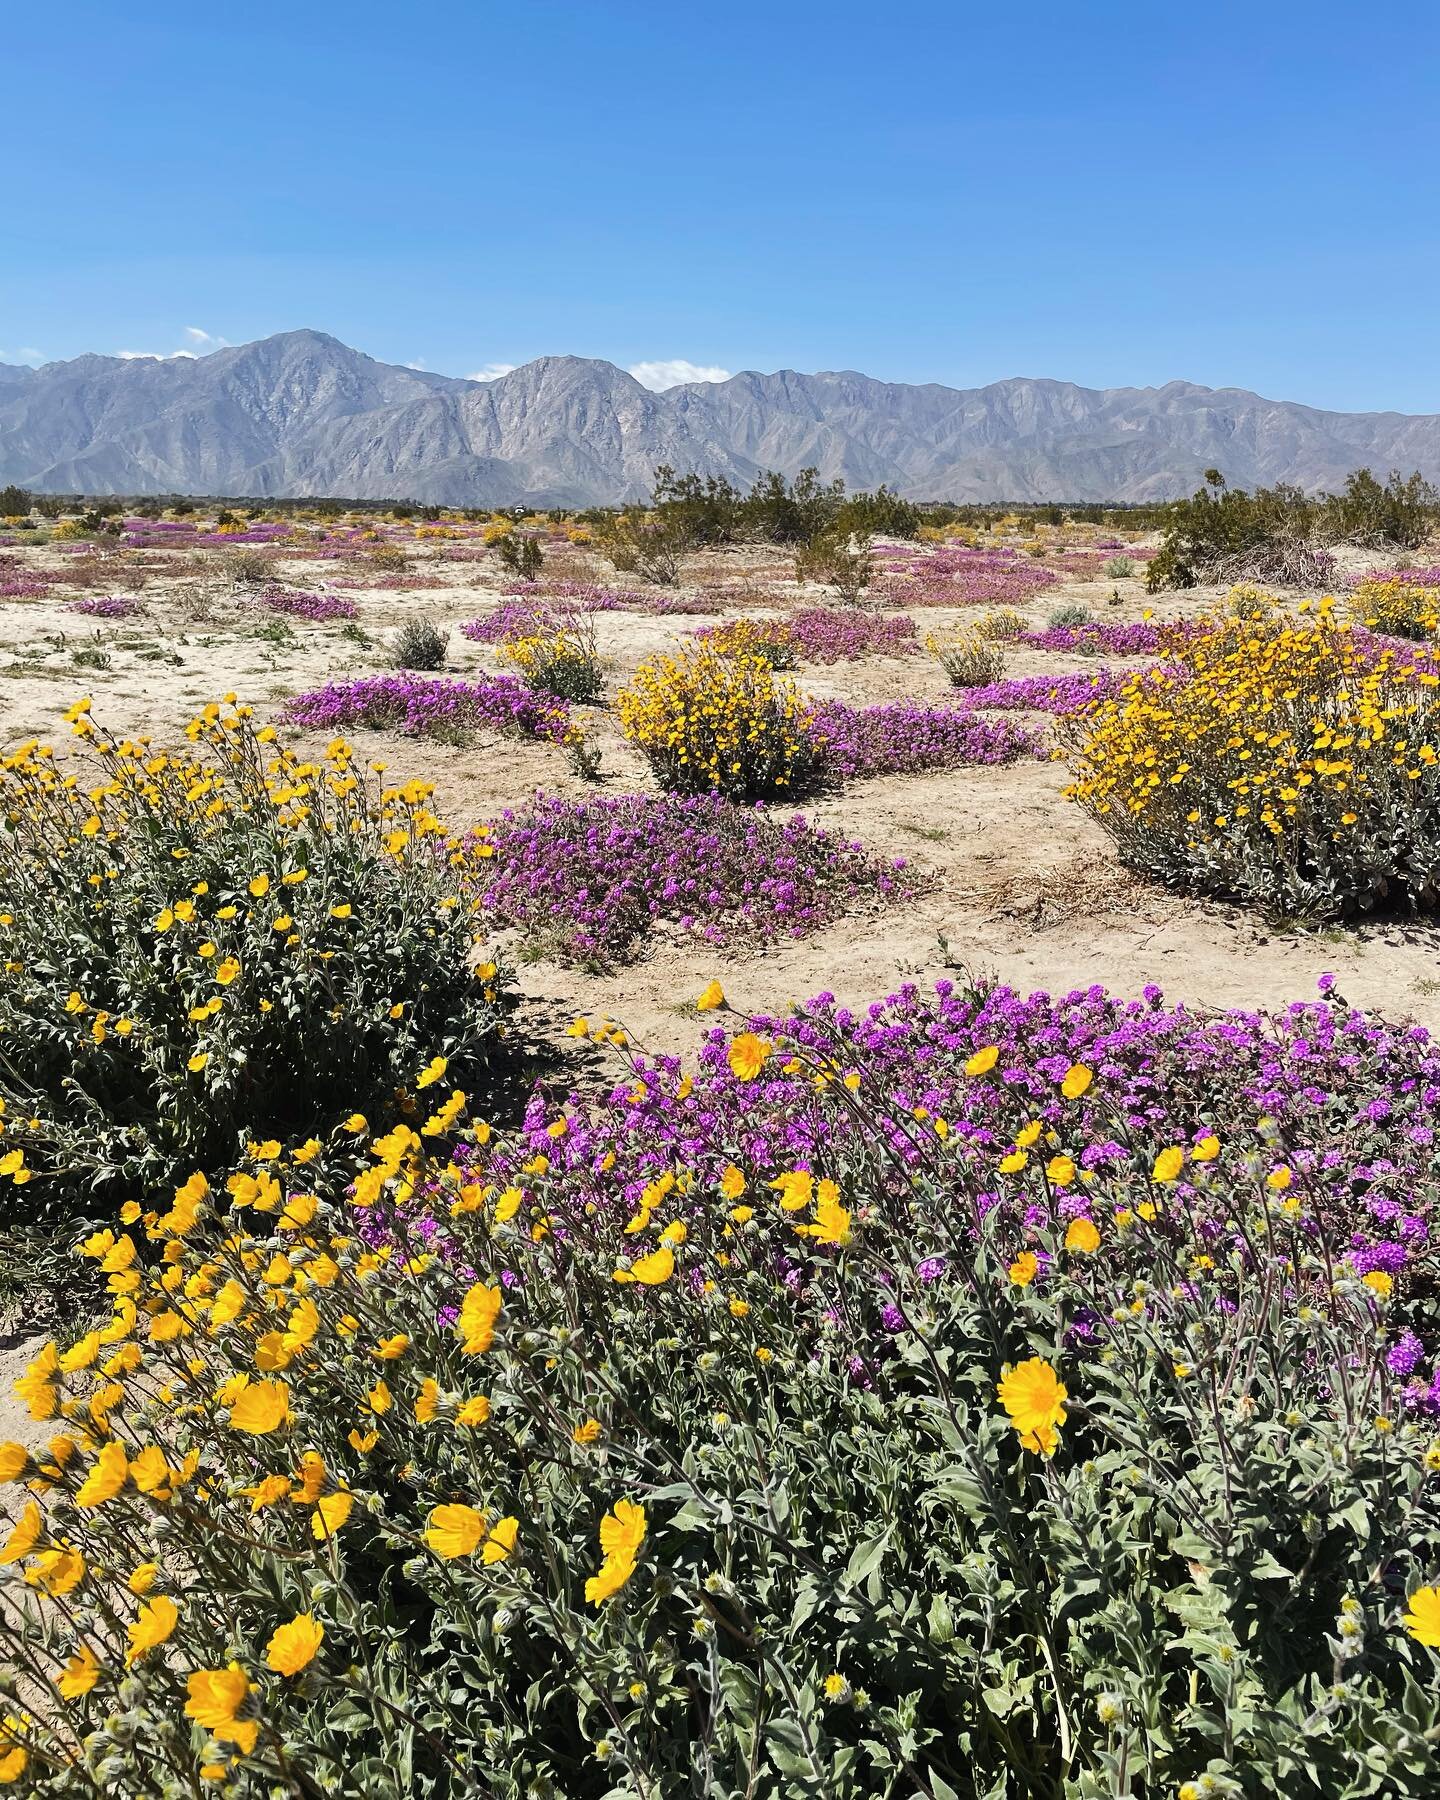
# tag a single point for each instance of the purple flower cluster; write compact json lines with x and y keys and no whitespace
{"x":23,"y":587}
{"x":825,"y":634}
{"x":1058,"y":694}
{"x":591,"y":877}
{"x":298,"y":605}
{"x":1344,"y":1101}
{"x":1142,"y":639}
{"x":106,"y":606}
{"x":1428,"y":577}
{"x":419,"y":704}
{"x":955,"y":575}
{"x":903,"y":737}
{"x":584,"y":594}
{"x":511,"y":619}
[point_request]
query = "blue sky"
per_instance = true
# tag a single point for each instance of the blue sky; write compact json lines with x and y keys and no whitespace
{"x":1234,"y":194}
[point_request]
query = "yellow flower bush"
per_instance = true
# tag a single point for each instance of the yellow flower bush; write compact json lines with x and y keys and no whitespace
{"x":559,"y":656}
{"x":1277,"y":760}
{"x":765,"y":640}
{"x":210,"y":947}
{"x":1397,"y":608}
{"x":712,"y":723}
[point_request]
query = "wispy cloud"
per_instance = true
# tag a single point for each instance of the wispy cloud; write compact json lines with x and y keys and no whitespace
{"x":198,"y":336}
{"x":491,"y":371}
{"x":156,"y":355}
{"x":27,"y":353}
{"x":669,"y":372}
{"x":412,"y":365}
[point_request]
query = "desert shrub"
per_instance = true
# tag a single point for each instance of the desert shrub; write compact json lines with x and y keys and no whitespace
{"x":209,"y":946}
{"x":1004,"y":625}
{"x":1067,"y":617}
{"x":388,"y":559}
{"x":247,"y":566}
{"x":421,"y":644}
{"x":795,"y":512}
{"x":649,"y":545}
{"x":968,"y":659}
{"x":1401,"y":512}
{"x":1397,"y":608}
{"x":1226,"y":534}
{"x":835,"y":559}
{"x":557,"y":654}
{"x":881,"y":514}
{"x":71,"y":531}
{"x":1286,"y":764}
{"x":14,"y":502}
{"x":710,"y":723}
{"x":520,"y":553}
{"x":1118,"y":568}
{"x":766,"y":640}
{"x":760,"y":1412}
{"x":588,"y":880}
{"x":703,"y":509}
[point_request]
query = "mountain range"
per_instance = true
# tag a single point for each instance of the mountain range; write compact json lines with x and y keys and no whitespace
{"x":302,"y":414}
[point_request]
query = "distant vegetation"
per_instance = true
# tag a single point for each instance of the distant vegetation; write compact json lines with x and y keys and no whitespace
{"x":1282,"y":534}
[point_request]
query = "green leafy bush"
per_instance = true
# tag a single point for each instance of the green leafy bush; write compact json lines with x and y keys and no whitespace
{"x":209,"y":947}
{"x":520,"y":553}
{"x":421,"y":644}
{"x":835,"y":559}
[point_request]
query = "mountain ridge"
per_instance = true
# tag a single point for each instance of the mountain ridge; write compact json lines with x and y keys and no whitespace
{"x":301,"y":413}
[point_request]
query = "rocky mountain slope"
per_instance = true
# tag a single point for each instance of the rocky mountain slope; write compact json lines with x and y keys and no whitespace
{"x":301,"y":413}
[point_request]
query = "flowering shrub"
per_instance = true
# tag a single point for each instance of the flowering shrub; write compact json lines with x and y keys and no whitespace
{"x":968,"y":658}
{"x":1288,"y":764}
{"x":763,"y":640}
{"x":1398,"y":608}
{"x":23,"y":587}
{"x":557,"y":654}
{"x":587,"y":879}
{"x":207,"y":946}
{"x":423,"y":704}
{"x":707,"y":722}
{"x":972,"y":1396}
{"x":900,"y":738}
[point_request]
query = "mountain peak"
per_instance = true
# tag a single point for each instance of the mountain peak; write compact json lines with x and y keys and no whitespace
{"x":301,"y":412}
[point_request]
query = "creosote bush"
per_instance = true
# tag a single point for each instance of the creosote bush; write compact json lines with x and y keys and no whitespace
{"x":210,"y":945}
{"x":837,"y":559}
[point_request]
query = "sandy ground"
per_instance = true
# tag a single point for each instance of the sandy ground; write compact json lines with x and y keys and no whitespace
{"x":1023,"y":886}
